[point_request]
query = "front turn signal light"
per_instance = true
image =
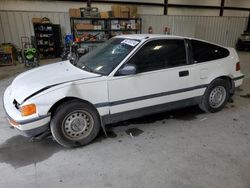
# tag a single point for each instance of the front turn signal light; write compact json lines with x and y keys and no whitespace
{"x":237,"y":68}
{"x":28,"y":110}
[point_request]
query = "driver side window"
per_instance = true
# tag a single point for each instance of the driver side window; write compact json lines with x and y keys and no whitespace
{"x":160,"y":54}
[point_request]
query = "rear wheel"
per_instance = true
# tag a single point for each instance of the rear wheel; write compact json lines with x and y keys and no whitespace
{"x":75,"y":123}
{"x":216,"y":96}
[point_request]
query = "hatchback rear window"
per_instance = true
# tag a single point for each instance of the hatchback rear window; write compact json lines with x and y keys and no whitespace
{"x":203,"y":51}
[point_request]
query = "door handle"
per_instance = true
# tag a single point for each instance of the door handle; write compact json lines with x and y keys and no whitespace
{"x":183,"y":73}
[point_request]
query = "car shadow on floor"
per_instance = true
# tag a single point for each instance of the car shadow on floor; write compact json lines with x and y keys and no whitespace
{"x":183,"y":114}
{"x":19,"y":151}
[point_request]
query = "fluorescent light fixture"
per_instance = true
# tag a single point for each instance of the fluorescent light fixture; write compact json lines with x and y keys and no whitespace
{"x":98,"y":68}
{"x":157,"y":47}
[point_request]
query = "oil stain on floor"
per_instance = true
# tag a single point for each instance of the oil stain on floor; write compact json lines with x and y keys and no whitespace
{"x":19,"y":151}
{"x":134,"y":131}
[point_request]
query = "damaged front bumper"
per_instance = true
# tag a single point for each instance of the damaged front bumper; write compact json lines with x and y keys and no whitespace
{"x":28,"y":126}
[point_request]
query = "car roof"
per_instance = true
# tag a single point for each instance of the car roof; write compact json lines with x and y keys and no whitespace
{"x":148,"y":36}
{"x":145,"y":37}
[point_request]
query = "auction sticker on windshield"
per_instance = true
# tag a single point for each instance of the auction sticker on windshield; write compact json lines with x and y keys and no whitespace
{"x":130,"y":42}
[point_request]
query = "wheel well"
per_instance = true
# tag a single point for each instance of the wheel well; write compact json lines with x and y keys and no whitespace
{"x":230,"y":81}
{"x":58,"y":103}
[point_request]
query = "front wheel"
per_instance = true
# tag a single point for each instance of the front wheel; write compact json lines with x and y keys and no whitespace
{"x":75,"y":123}
{"x":215,"y":96}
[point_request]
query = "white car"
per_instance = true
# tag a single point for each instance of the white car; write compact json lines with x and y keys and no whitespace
{"x":128,"y":76}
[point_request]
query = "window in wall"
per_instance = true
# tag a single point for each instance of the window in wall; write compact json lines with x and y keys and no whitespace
{"x":203,"y":51}
{"x":160,"y":54}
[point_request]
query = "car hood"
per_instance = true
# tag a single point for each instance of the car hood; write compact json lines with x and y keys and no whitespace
{"x":32,"y":81}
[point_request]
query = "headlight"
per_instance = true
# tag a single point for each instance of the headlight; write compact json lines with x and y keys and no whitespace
{"x":28,"y":110}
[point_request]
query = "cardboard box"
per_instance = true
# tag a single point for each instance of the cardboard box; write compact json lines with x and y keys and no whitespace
{"x":124,"y":9}
{"x":115,"y":26}
{"x":124,"y":12}
{"x":74,"y":12}
{"x":133,"y":11}
{"x":84,"y":26}
{"x":71,"y":12}
{"x":97,"y":27}
{"x":104,"y":15}
{"x":78,"y":13}
{"x":36,"y":20}
{"x":116,"y":10}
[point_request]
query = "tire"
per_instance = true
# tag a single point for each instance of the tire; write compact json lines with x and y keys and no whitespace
{"x":216,"y":96}
{"x":75,"y":123}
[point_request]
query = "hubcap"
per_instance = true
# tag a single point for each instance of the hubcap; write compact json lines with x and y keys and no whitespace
{"x":217,"y":96}
{"x":77,"y":125}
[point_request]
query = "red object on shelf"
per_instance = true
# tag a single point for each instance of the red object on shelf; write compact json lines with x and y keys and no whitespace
{"x":77,"y":39}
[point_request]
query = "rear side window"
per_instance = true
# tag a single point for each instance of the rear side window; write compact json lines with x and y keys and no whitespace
{"x":203,"y":51}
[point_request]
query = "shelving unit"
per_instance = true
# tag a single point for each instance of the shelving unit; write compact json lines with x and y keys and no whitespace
{"x":120,"y":26}
{"x":48,"y":39}
{"x":92,"y":31}
{"x":6,"y":59}
{"x":7,"y":55}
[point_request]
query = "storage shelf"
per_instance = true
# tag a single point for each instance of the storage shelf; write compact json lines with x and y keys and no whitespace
{"x":45,"y":45}
{"x":82,"y":18}
{"x":124,"y":29}
{"x":92,"y":30}
{"x":44,"y":37}
{"x":53,"y":35}
{"x":106,"y":27}
{"x":89,"y":41}
{"x":124,"y":18}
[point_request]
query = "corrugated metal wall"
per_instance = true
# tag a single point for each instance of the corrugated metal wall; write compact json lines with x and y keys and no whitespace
{"x":221,"y":30}
{"x":14,"y":25}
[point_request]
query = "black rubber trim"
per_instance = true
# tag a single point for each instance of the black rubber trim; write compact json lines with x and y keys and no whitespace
{"x":121,"y":116}
{"x":238,"y":78}
{"x":103,"y":104}
{"x":98,"y":105}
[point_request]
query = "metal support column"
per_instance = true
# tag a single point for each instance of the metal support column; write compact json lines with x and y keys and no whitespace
{"x":222,"y":3}
{"x":165,"y":7}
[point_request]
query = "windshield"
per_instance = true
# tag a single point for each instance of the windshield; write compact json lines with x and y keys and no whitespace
{"x":105,"y":58}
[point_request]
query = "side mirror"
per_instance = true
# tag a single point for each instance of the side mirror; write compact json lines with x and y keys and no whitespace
{"x":128,"y":69}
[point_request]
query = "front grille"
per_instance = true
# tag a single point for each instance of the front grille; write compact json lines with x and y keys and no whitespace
{"x":16,"y":104}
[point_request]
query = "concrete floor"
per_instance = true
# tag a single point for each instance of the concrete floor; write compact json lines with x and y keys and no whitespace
{"x":182,"y":148}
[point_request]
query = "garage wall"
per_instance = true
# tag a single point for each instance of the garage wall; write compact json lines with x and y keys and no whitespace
{"x":221,"y":30}
{"x":63,"y":6}
{"x":15,"y":24}
{"x":16,"y":15}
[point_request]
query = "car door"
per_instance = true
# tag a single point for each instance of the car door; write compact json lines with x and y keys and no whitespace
{"x":164,"y":76}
